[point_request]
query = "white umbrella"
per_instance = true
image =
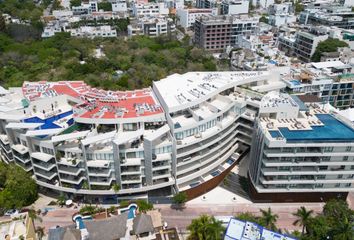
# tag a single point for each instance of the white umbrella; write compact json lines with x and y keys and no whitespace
{"x":68,"y":202}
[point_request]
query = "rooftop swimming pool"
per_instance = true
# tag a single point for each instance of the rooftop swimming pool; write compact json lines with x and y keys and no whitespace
{"x":332,"y":131}
{"x":295,"y":82}
{"x":49,"y":122}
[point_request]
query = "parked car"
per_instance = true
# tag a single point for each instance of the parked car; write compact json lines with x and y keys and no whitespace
{"x":11,"y":212}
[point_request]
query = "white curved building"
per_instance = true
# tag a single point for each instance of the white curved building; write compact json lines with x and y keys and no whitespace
{"x":184,"y":132}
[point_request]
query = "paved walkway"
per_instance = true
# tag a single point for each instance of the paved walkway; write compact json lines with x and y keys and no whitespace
{"x":182,"y":218}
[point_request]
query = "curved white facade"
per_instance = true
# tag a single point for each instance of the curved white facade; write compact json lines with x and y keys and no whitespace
{"x":184,"y":131}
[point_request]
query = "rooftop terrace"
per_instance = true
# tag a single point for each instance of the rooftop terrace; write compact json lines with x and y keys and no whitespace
{"x":97,"y":103}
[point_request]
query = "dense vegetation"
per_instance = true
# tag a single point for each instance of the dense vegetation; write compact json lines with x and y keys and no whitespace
{"x":24,"y":9}
{"x":335,"y":222}
{"x":329,"y":45}
{"x":17,"y":187}
{"x":142,"y":59}
{"x":205,"y":228}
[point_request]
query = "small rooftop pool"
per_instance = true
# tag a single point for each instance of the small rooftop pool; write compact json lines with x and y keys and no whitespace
{"x":295,"y":82}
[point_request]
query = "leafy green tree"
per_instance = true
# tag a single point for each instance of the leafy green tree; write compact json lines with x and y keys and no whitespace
{"x":303,"y":217}
{"x":105,"y":6}
{"x":268,"y":219}
{"x":116,"y":187}
{"x":75,"y":3}
{"x":329,"y":45}
{"x":205,"y":228}
{"x":299,"y":6}
{"x":61,"y":200}
{"x":144,"y":206}
{"x":247,"y":216}
{"x":263,"y":19}
{"x":19,"y":188}
{"x":2,"y":23}
{"x":180,"y":198}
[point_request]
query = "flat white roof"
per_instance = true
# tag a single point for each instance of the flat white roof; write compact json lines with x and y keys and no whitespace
{"x":23,"y":125}
{"x":329,"y":64}
{"x":69,"y":136}
{"x":181,"y":90}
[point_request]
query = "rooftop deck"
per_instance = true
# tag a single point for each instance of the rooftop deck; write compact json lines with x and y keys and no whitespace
{"x":97,"y":103}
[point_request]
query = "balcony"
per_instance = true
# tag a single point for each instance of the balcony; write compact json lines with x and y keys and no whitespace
{"x":72,"y":180}
{"x":101,"y":181}
{"x":100,"y":173}
{"x":20,"y":149}
{"x":70,"y":170}
{"x":44,"y":157}
{"x":44,"y":166}
{"x":45,"y":174}
{"x":98,"y":163}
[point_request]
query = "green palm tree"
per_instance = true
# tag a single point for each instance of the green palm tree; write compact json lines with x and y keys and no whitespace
{"x":268,"y":219}
{"x":303,"y":217}
{"x":205,"y":228}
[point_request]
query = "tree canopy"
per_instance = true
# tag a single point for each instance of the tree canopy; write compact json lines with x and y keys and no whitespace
{"x":18,"y":188}
{"x":205,"y":228}
{"x":329,"y":45}
{"x":142,"y":59}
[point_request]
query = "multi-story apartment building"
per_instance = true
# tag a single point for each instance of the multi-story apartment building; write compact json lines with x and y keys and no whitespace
{"x":183,"y":135}
{"x":88,"y":31}
{"x":149,"y":9}
{"x":306,"y":43}
{"x":85,"y":8}
{"x":300,"y":151}
{"x":152,"y":27}
{"x":206,"y":4}
{"x":215,"y":33}
{"x":187,"y":17}
{"x":333,"y":16}
{"x":231,"y":7}
{"x":119,"y":6}
{"x":332,"y":82}
{"x":280,"y":14}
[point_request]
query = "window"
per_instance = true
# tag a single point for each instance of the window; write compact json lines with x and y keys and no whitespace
{"x":340,"y":176}
{"x":37,"y":148}
{"x":348,"y":149}
{"x":348,"y":185}
{"x":345,"y":158}
{"x":337,"y":185}
{"x":328,"y":149}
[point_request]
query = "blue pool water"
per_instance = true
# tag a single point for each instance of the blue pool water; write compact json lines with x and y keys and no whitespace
{"x":215,"y":173}
{"x":131,"y":213}
{"x":332,"y":131}
{"x":275,"y":134}
{"x":48,"y":123}
{"x":80,"y":222}
{"x":295,"y":82}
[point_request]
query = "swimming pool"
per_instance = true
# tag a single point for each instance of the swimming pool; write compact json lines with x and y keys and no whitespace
{"x":333,"y":130}
{"x":295,"y":82}
{"x":79,"y":222}
{"x":49,"y":122}
{"x":131,"y":210}
{"x":275,"y":134}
